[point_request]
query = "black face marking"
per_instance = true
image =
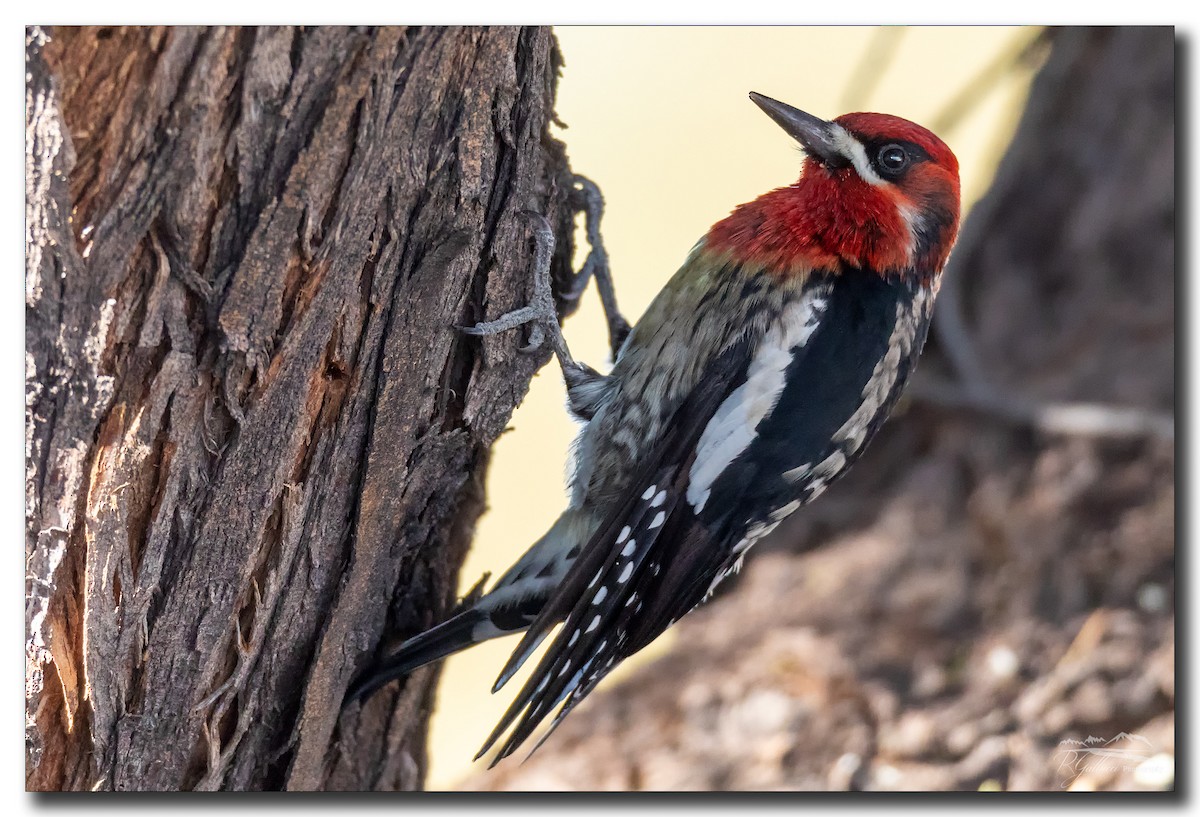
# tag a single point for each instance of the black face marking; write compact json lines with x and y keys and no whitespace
{"x":937,"y":220}
{"x":892,"y":159}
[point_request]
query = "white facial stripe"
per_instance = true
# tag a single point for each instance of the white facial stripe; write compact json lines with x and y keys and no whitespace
{"x":852,"y":148}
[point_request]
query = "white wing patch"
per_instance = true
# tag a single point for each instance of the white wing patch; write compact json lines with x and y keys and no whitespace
{"x":734,"y":425}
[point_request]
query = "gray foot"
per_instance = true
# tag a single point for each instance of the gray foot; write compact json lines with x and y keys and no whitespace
{"x":584,"y":383}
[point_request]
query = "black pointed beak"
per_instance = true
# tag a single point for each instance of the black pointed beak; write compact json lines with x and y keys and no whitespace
{"x":816,"y":136}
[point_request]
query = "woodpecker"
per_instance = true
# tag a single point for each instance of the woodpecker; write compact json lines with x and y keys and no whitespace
{"x":756,"y":377}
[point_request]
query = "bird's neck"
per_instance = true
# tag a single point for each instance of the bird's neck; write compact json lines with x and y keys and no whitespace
{"x":826,"y":221}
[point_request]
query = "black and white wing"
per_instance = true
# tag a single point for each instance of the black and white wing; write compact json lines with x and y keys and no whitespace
{"x":605,"y":589}
{"x":769,"y":425}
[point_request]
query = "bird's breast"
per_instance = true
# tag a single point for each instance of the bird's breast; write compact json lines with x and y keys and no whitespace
{"x":702,"y":310}
{"x":837,"y":390}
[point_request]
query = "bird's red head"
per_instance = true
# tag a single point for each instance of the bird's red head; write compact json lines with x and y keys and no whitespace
{"x":876,"y":192}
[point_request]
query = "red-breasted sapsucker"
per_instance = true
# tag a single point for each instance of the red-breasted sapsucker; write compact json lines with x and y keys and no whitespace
{"x":754,"y":380}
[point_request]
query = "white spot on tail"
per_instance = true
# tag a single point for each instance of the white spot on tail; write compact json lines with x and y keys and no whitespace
{"x":594,"y":624}
{"x":574,"y":638}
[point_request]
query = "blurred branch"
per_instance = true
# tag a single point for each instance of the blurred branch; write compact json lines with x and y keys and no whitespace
{"x":975,"y":391}
{"x":878,"y":56}
{"x":972,"y":387}
{"x":976,"y":89}
{"x":1074,"y":419}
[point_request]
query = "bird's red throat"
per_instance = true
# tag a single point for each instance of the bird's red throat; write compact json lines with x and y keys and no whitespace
{"x":828,"y":219}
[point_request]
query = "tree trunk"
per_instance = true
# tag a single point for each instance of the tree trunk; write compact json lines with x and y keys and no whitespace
{"x":255,"y":442}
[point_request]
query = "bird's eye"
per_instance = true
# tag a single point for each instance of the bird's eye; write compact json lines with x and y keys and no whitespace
{"x":892,"y":159}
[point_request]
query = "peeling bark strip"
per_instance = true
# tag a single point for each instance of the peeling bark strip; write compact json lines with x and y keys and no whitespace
{"x":254,"y":440}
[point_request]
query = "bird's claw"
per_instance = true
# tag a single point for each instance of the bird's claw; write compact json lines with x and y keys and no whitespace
{"x":541,"y":313}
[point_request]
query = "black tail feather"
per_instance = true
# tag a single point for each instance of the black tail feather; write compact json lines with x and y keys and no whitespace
{"x":435,"y":643}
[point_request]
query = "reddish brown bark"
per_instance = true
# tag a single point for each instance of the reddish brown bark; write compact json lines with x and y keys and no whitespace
{"x":255,"y":441}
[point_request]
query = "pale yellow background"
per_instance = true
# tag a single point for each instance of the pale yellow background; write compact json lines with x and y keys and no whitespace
{"x":659,"y":118}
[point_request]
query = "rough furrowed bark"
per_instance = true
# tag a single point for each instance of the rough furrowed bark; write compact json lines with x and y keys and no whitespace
{"x":255,"y":442}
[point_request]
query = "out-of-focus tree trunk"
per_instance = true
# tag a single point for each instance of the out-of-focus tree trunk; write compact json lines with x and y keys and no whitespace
{"x":254,"y":440}
{"x":990,"y":581}
{"x":1076,"y":237}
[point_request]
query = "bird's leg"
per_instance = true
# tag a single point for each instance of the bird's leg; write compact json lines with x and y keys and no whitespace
{"x":586,"y":198}
{"x":583,"y":382}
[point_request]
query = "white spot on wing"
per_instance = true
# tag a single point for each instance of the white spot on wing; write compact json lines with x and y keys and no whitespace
{"x":733,"y":425}
{"x":623,"y":535}
{"x":830,"y":467}
{"x":798,"y":473}
{"x":594,"y":623}
{"x":628,"y":549}
{"x":650,"y":492}
{"x":659,"y":498}
{"x":780,"y":514}
{"x":626,"y":573}
{"x":658,"y":519}
{"x":600,"y":595}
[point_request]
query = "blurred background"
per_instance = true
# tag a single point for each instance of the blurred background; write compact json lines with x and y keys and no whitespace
{"x":996,"y":576}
